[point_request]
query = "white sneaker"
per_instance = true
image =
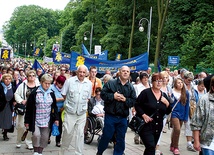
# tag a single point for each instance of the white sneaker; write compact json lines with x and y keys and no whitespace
{"x":190,"y":148}
{"x":35,"y":153}
{"x":30,"y":147}
{"x":18,"y":145}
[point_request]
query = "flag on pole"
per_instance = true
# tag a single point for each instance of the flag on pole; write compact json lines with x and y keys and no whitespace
{"x":84,"y":50}
{"x":118,"y":57}
{"x":37,"y":51}
{"x":159,"y":66}
{"x":37,"y":65}
{"x":5,"y":54}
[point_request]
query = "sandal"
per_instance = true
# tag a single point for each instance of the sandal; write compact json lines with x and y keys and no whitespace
{"x":172,"y":148}
{"x":176,"y":151}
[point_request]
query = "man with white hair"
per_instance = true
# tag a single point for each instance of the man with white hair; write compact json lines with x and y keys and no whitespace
{"x":201,"y":76}
{"x":76,"y":91}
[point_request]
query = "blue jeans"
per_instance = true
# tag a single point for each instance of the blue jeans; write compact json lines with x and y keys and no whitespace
{"x":113,"y":124}
{"x":207,"y":151}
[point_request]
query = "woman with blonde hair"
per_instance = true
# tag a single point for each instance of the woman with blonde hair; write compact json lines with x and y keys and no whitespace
{"x":21,"y":95}
{"x":180,"y":113}
{"x":168,"y":91}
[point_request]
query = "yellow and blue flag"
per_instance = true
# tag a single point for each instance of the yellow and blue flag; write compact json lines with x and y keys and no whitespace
{"x":5,"y":54}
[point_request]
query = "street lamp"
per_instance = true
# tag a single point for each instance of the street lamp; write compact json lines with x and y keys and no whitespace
{"x":141,"y":28}
{"x":85,"y":38}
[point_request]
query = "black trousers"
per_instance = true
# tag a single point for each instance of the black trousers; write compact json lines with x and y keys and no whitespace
{"x":150,"y":137}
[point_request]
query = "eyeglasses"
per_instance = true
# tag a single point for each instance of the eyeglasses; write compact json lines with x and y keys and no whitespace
{"x":158,"y":81}
{"x":62,"y":70}
{"x":31,"y":75}
{"x":190,"y":80}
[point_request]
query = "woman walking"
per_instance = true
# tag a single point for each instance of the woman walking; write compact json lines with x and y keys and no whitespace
{"x":21,"y":95}
{"x":180,"y":98}
{"x":152,"y":101}
{"x":203,"y":121}
{"x":6,"y":104}
{"x":41,"y":111}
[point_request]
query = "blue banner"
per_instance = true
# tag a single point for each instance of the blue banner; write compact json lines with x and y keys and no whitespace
{"x":61,"y":58}
{"x":5,"y":54}
{"x":103,"y":55}
{"x":136,"y":63}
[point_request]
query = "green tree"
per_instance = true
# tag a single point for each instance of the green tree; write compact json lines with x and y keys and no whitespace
{"x":198,"y":44}
{"x":95,"y":18}
{"x":30,"y":24}
{"x":182,"y":15}
{"x":72,"y":17}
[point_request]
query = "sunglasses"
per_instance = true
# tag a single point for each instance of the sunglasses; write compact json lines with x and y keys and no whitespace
{"x":31,"y":75}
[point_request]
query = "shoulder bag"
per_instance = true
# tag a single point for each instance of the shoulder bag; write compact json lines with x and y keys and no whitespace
{"x":169,"y":116}
{"x":192,"y":105}
{"x":137,"y":123}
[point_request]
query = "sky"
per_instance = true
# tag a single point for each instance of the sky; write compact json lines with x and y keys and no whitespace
{"x":8,"y":6}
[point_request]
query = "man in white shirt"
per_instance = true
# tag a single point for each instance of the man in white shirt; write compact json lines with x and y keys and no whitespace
{"x":76,"y":91}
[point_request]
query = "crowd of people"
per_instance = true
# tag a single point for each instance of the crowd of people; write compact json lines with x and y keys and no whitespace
{"x":112,"y":99}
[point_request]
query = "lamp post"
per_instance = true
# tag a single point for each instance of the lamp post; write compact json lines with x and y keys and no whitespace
{"x":91,"y":34}
{"x":85,"y":38}
{"x":141,"y":28}
{"x":25,"y":47}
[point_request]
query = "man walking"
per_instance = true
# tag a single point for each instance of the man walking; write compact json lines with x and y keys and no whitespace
{"x":118,"y":95}
{"x":76,"y":91}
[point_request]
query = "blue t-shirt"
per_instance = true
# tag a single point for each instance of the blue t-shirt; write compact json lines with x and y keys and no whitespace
{"x":58,"y":95}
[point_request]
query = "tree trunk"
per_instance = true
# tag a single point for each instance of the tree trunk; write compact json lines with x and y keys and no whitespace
{"x":162,"y":11}
{"x":132,"y":30}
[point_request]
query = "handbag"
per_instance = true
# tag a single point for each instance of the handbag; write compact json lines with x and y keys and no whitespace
{"x":169,"y":115}
{"x":20,"y":109}
{"x":24,"y":135}
{"x":55,"y":130}
{"x":11,"y":130}
{"x":192,"y":107}
{"x":192,"y":104}
{"x":136,"y":124}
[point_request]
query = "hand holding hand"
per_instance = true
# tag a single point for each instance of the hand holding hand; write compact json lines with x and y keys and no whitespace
{"x":119,"y":97}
